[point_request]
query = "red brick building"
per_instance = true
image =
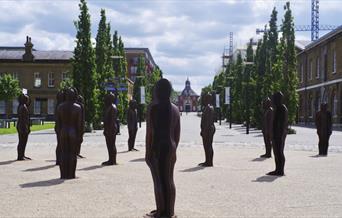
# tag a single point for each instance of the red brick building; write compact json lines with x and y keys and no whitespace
{"x":188,"y":99}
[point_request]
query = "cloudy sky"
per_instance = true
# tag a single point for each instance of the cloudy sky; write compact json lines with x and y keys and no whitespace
{"x":185,"y":37}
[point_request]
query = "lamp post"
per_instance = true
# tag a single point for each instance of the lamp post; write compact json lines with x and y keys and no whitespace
{"x":229,"y":105}
{"x":246,"y":96}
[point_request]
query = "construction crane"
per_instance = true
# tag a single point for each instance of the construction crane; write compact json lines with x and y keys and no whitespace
{"x":228,"y":53}
{"x":314,"y":27}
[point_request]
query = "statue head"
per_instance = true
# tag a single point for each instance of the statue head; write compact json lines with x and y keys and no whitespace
{"x":277,"y":98}
{"x":60,"y":97}
{"x":267,"y":103}
{"x":324,"y":107}
{"x":109,"y":99}
{"x":207,"y":99}
{"x":70,"y":94}
{"x":133,"y":104}
{"x":163,"y":90}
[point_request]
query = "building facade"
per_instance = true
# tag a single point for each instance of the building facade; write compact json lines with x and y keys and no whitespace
{"x":132,"y":57}
{"x":188,"y":99}
{"x":41,"y":72}
{"x":319,"y":67}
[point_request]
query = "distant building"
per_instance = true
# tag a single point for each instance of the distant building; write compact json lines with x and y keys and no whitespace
{"x":320,"y":77}
{"x":188,"y":99}
{"x":41,"y":72}
{"x":132,"y":57}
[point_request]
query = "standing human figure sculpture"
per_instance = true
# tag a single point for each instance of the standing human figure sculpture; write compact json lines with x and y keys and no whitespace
{"x":80,"y":101}
{"x":207,"y":131}
{"x":324,"y":129}
{"x":132,"y":123}
{"x":23,"y":126}
{"x":162,"y":139}
{"x":110,"y":128}
{"x":60,"y":99}
{"x":267,"y":127}
{"x":280,"y":125}
{"x":69,"y":117}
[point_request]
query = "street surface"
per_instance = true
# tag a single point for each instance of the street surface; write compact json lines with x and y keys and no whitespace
{"x":235,"y":186}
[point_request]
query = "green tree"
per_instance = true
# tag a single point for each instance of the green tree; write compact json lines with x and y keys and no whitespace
{"x":290,"y":80}
{"x":103,"y":60}
{"x":9,"y":89}
{"x":139,"y":82}
{"x":84,"y":66}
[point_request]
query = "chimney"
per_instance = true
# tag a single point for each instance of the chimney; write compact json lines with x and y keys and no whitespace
{"x":28,"y":56}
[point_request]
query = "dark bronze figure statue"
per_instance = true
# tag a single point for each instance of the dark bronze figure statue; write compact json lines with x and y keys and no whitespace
{"x":162,"y":138}
{"x":132,"y":123}
{"x":267,"y":127}
{"x":23,"y":125}
{"x":208,"y":131}
{"x":80,"y":101}
{"x":69,"y":118}
{"x":110,"y":128}
{"x":324,"y":129}
{"x":280,"y":125}
{"x":60,"y":99}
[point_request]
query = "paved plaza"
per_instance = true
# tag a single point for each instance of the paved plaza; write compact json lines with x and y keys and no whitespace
{"x":235,"y":187}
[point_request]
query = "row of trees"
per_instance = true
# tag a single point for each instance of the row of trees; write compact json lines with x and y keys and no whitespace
{"x":257,"y":76}
{"x":93,"y":67}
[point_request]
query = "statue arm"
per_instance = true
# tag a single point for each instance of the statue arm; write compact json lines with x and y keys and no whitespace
{"x":177,"y":129}
{"x":286,"y":122}
{"x":148,"y":137}
{"x":270,"y":119}
{"x":79,"y":124}
{"x":329,"y":117}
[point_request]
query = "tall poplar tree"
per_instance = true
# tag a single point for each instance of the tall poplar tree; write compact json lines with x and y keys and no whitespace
{"x":84,"y":67}
{"x":290,"y":80}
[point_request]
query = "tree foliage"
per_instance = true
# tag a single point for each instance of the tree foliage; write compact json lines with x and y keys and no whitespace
{"x":84,"y":66}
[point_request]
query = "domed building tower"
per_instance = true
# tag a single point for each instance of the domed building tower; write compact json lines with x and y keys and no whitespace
{"x":187,"y":100}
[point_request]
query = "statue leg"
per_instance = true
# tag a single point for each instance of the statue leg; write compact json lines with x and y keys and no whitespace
{"x":63,"y":156}
{"x":58,"y":151}
{"x":279,"y":158}
{"x":210,"y":150}
{"x":20,"y":147}
{"x":158,"y":186}
{"x":73,"y":149}
{"x":170,"y":188}
{"x":133,"y":138}
{"x":110,"y":142}
{"x":129,"y":140}
{"x":320,"y":145}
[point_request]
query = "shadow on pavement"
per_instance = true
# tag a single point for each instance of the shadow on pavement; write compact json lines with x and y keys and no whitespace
{"x":92,"y":167}
{"x":193,"y":169}
{"x":138,"y":160}
{"x":266,"y":179}
{"x":40,"y":168}
{"x":122,"y":152}
{"x":45,"y":183}
{"x":259,"y":159}
{"x":7,"y":162}
{"x":317,"y":156}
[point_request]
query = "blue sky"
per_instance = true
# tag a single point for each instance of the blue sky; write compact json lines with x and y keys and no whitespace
{"x":185,"y":37}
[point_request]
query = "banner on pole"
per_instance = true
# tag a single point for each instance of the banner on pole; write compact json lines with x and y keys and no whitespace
{"x":227,"y":95}
{"x":217,"y":100}
{"x":142,"y":95}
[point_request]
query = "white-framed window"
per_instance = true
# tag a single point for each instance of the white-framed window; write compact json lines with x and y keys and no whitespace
{"x":65,"y":76}
{"x":2,"y":107}
{"x":301,"y":72}
{"x":37,"y":80}
{"x":51,"y":106}
{"x":334,"y":61}
{"x":36,"y":107}
{"x":334,"y":104}
{"x":318,"y":68}
{"x":51,"y":80}
{"x":134,"y":69}
{"x":15,"y":104}
{"x":15,"y":76}
{"x":310,"y":69}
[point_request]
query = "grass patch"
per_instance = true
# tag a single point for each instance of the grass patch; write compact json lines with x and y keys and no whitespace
{"x":13,"y":130}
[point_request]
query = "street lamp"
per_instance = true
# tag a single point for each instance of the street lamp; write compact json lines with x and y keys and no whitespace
{"x":246,"y":100}
{"x":229,"y":104}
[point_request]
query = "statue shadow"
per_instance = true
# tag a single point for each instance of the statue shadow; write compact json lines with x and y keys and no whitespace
{"x":259,"y":159}
{"x":92,"y":168}
{"x":44,"y":183}
{"x":266,"y":178}
{"x":192,"y":169}
{"x":122,"y":152}
{"x":259,"y":135}
{"x":40,"y":168}
{"x":7,"y":162}
{"x":50,"y":161}
{"x":138,"y":160}
{"x":318,"y":156}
